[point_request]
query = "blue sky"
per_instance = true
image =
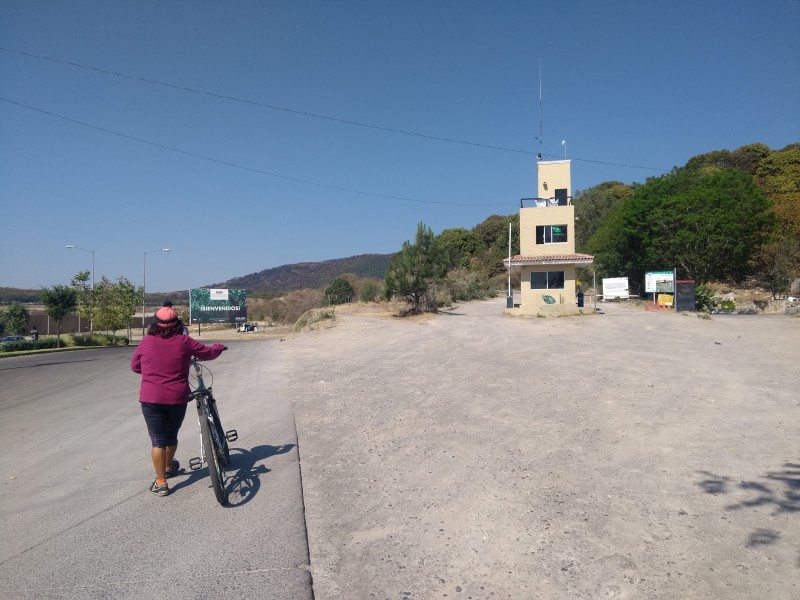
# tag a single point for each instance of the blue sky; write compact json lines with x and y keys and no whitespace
{"x":238,"y":175}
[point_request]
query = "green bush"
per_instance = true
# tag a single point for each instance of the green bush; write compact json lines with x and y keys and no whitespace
{"x":83,"y":339}
{"x":339,"y":292}
{"x":463,"y":285}
{"x":99,"y":339}
{"x":368,"y":292}
{"x":24,"y":345}
{"x":703,"y":299}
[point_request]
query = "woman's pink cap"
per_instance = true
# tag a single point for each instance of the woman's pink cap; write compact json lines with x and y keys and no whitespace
{"x":166,"y":316}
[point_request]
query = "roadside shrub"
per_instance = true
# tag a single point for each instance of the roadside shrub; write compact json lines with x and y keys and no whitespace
{"x":339,"y":292}
{"x":99,"y":339}
{"x":703,"y":299}
{"x":113,"y":340}
{"x":23,"y":345}
{"x":368,"y":292}
{"x":463,"y":285}
{"x":83,"y":340}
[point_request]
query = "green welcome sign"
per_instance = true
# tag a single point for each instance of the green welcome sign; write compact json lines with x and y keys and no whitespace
{"x":209,"y":305}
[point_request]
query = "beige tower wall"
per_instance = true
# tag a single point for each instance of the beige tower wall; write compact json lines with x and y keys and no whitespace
{"x":554,"y":175}
{"x":530,"y":218}
{"x":533,"y":301}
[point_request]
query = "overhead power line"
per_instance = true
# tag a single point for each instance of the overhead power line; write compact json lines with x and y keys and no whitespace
{"x":315,"y":115}
{"x":244,"y":168}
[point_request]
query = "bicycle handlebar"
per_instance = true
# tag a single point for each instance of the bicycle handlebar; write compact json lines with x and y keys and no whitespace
{"x":198,"y":369}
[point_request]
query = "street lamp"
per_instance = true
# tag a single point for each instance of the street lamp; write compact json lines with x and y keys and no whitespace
{"x":144,"y":280}
{"x":91,"y":321}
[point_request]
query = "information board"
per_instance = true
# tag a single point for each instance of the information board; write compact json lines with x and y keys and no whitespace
{"x":659,"y":282}
{"x":615,"y":287}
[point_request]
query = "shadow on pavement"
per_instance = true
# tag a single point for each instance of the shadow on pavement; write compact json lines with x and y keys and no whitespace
{"x":779,"y":489}
{"x":243,"y":475}
{"x":245,"y":482}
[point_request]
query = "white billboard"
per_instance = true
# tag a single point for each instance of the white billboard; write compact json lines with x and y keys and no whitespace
{"x":615,"y":287}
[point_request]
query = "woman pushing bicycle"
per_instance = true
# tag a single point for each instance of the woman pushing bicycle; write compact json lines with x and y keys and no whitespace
{"x":163,"y":359}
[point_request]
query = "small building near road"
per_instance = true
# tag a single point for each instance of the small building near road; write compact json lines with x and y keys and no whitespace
{"x":547,"y":259}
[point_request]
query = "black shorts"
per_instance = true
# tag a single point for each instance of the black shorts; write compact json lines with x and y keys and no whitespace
{"x":163,"y":422}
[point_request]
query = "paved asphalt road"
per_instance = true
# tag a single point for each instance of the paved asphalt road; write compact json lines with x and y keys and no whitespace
{"x":76,"y":520}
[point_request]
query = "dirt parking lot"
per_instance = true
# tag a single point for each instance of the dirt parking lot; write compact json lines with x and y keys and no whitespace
{"x":620,"y":455}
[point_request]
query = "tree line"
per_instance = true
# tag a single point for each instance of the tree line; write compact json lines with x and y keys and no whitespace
{"x":107,"y":305}
{"x":726,"y":216}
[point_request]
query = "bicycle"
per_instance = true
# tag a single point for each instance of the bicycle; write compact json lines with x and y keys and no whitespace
{"x":214,"y":439}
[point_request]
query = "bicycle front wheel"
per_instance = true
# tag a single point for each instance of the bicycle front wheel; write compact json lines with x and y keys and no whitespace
{"x":216,"y":470}
{"x":225,"y":453}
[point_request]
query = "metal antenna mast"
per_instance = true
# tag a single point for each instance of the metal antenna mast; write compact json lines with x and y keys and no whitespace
{"x":541,"y":127}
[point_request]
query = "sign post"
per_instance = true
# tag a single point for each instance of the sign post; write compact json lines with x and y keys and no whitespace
{"x":659,"y":282}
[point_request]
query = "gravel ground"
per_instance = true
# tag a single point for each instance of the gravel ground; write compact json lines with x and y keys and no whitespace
{"x":620,"y":455}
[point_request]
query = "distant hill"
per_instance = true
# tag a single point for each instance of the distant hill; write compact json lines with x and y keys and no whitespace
{"x":273,"y":282}
{"x":9,"y":294}
{"x":299,"y":276}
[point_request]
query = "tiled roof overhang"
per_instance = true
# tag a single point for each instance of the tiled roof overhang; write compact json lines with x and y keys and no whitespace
{"x":559,"y":259}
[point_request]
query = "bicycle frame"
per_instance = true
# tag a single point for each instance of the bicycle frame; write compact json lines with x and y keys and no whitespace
{"x":214,"y":439}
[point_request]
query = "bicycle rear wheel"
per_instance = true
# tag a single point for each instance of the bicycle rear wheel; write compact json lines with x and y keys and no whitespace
{"x":216,"y":470}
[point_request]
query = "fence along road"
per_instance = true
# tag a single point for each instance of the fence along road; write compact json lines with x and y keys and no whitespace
{"x":76,"y":519}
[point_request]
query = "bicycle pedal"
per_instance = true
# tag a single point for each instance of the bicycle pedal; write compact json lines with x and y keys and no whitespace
{"x":195,"y":463}
{"x":231,"y":435}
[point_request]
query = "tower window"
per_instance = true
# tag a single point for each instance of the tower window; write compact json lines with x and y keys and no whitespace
{"x":551,"y":234}
{"x":547,"y":280}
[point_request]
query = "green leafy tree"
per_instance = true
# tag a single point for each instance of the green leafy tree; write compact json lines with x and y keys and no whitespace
{"x":492,"y":229}
{"x":83,"y":288}
{"x":414,"y":271}
{"x":777,"y":263}
{"x":779,"y":175}
{"x":461,"y":246}
{"x":128,"y":297}
{"x":15,"y":319}
{"x":368,"y":292}
{"x":115,"y":304}
{"x":593,"y":206}
{"x":708,"y":225}
{"x":494,"y":233}
{"x":59,"y":301}
{"x":340,"y":291}
{"x":747,"y":159}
